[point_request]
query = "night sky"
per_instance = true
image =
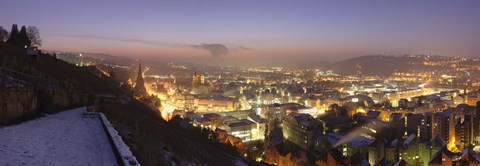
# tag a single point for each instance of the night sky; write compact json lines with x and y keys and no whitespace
{"x":258,"y":29}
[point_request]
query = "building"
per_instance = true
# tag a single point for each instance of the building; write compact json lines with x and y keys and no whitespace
{"x":382,"y":149}
{"x":472,"y":97}
{"x":32,"y":51}
{"x":325,"y":143}
{"x":476,"y":124}
{"x":413,"y":123}
{"x":215,"y":119}
{"x":139,"y":87}
{"x":239,"y":128}
{"x":376,"y":151}
{"x":428,"y":149}
{"x":442,"y":157}
{"x":409,"y":151}
{"x":335,"y":124}
{"x":275,"y":113}
{"x":464,"y":133}
{"x":426,"y":129}
{"x":444,"y":124}
{"x":300,"y":129}
{"x":214,"y":105}
{"x":259,"y":131}
{"x":392,"y":150}
{"x":359,"y":145}
{"x":185,"y":102}
{"x":198,"y":120}
{"x":469,"y":157}
{"x":198,"y":79}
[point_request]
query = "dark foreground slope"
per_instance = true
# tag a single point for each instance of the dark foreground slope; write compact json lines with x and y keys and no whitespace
{"x":156,"y":142}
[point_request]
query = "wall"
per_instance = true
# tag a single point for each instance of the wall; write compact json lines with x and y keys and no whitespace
{"x":16,"y":103}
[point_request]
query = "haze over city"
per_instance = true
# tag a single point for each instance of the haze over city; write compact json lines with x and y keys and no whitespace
{"x":304,"y":31}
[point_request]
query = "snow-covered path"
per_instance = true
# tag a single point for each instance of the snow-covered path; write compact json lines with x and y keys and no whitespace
{"x":64,"y":138}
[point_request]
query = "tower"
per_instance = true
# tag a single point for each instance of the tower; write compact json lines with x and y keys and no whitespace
{"x":202,"y":79}
{"x":195,"y":77}
{"x":139,"y":87}
{"x":198,"y":79}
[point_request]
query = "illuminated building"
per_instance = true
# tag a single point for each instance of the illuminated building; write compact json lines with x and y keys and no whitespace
{"x":472,"y":98}
{"x":391,"y":150}
{"x":198,"y":79}
{"x":444,"y":125}
{"x":376,"y":151}
{"x":198,"y":84}
{"x":409,"y":150}
{"x":215,"y":119}
{"x":185,"y":102}
{"x":429,"y":148}
{"x":239,"y":128}
{"x":406,"y":149}
{"x":260,"y":126}
{"x":214,"y":105}
{"x":395,"y":96}
{"x":300,"y":129}
{"x":198,"y":120}
{"x":464,"y":135}
{"x":275,"y":113}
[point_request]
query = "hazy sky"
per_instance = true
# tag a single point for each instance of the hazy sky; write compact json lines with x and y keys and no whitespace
{"x":258,"y":29}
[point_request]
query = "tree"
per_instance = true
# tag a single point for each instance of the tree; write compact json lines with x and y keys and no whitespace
{"x":23,"y":37}
{"x":3,"y":34}
{"x":34,"y":35}
{"x":13,"y":39}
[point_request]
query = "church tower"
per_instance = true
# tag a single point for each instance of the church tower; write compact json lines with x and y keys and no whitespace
{"x":139,"y":88}
{"x":195,"y":77}
{"x":202,"y":79}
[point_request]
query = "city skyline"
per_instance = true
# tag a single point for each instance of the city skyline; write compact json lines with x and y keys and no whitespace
{"x":321,"y":30}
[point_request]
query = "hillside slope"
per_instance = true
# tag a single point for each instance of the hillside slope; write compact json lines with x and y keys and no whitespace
{"x":152,"y":140}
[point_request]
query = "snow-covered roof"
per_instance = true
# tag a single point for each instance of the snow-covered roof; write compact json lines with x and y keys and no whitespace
{"x":361,"y":141}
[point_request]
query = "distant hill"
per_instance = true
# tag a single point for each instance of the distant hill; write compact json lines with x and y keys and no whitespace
{"x":110,"y":58}
{"x":100,"y":56}
{"x":380,"y":65}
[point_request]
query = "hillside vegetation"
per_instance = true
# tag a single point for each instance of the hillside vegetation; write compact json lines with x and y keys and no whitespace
{"x":152,"y":140}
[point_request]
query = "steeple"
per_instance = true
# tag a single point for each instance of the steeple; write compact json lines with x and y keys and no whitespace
{"x":140,"y":83}
{"x":194,"y":77}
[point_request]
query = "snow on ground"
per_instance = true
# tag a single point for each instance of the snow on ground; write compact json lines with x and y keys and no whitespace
{"x":65,"y":138}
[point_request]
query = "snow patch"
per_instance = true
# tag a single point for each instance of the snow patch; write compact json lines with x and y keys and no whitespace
{"x":123,"y":149}
{"x":65,"y":138}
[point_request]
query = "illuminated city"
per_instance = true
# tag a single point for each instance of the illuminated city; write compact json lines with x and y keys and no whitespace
{"x":227,"y":83}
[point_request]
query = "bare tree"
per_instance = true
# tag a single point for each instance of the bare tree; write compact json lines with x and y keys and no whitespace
{"x":3,"y":34}
{"x":34,"y":35}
